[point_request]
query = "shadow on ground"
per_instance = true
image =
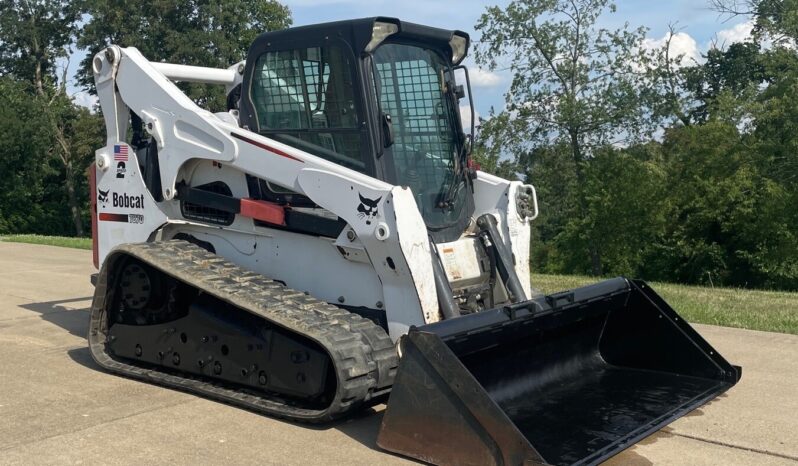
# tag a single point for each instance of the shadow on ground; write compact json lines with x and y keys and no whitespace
{"x":83,"y":357}
{"x":75,"y":321}
{"x":363,"y":426}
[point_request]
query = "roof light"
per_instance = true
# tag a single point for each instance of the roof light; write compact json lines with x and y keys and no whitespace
{"x":380,"y":33}
{"x":459,"y":45}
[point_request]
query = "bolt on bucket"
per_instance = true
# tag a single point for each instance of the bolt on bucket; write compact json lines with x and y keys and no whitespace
{"x":571,"y":378}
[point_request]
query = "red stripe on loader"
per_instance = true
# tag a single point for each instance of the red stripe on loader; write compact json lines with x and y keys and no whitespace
{"x":267,"y":147}
{"x":105,"y":217}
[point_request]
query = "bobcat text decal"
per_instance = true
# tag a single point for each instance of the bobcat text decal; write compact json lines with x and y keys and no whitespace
{"x":127,"y":201}
{"x":123,"y":200}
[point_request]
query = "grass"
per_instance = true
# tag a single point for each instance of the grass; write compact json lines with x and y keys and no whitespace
{"x":63,"y":241}
{"x":772,"y":311}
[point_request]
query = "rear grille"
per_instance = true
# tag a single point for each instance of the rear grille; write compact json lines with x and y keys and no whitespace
{"x":204,"y":214}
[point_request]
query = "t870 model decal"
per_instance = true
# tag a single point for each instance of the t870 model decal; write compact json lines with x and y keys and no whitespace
{"x":124,"y":218}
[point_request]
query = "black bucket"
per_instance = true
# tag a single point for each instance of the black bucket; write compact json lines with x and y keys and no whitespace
{"x":571,"y":378}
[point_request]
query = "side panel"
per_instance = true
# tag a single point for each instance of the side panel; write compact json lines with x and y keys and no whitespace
{"x":303,"y":262}
{"x":126,"y":211}
{"x":415,"y":244}
{"x":394,"y":236}
{"x":497,"y":196}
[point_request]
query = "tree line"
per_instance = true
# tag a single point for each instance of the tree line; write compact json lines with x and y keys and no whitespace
{"x":47,"y":140}
{"x":646,"y":164}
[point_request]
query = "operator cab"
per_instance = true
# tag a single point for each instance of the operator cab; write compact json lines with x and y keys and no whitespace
{"x":375,"y":95}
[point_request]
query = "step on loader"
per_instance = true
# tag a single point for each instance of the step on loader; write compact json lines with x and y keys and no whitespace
{"x":325,"y":244}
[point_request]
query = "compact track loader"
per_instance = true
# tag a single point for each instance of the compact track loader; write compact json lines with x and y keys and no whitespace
{"x":326,"y":243}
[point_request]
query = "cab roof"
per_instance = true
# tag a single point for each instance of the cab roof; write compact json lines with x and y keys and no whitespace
{"x":357,"y":32}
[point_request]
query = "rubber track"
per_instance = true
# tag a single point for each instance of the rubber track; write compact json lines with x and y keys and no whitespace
{"x":363,"y":355}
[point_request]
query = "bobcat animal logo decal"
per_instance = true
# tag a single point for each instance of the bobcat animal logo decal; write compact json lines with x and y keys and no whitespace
{"x":102,"y":196}
{"x":368,"y":208}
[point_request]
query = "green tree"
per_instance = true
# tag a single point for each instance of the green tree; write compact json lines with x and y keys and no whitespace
{"x":772,"y":138}
{"x":214,"y":33}
{"x":624,"y":207}
{"x":727,"y":223}
{"x":23,"y":159}
{"x":664,"y":93}
{"x":35,"y":35}
{"x":550,"y":169}
{"x":776,"y":20}
{"x":487,"y":152}
{"x":574,"y":83}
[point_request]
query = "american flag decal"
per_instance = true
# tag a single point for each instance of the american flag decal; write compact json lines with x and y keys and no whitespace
{"x":120,"y":153}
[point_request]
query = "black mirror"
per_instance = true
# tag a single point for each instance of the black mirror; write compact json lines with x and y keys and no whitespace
{"x":387,"y":130}
{"x":459,"y":91}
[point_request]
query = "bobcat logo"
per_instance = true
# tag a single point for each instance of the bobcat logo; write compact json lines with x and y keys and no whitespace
{"x":368,"y":208}
{"x":102,"y":196}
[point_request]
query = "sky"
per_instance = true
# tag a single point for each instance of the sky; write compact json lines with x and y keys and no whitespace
{"x":696,"y":23}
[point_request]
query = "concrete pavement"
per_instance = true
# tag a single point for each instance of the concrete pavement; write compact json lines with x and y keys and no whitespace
{"x":57,"y":407}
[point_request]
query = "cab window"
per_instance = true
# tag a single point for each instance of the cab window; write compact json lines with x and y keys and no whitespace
{"x":305,"y":98}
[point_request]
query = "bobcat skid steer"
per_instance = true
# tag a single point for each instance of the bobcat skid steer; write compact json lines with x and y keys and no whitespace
{"x":326,"y":243}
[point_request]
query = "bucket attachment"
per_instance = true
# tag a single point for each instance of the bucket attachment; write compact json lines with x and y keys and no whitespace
{"x":571,"y":378}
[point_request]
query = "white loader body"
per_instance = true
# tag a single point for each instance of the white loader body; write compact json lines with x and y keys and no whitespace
{"x":382,"y":262}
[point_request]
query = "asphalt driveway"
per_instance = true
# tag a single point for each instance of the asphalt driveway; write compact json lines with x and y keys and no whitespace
{"x":58,"y":407}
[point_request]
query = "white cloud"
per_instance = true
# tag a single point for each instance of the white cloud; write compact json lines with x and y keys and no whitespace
{"x":465,"y":117}
{"x":682,"y":45}
{"x":85,"y":99}
{"x":737,"y":33}
{"x":483,"y":78}
{"x":479,"y":77}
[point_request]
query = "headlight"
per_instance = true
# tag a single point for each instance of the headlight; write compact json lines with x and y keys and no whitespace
{"x":380,"y":32}
{"x":459,"y":45}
